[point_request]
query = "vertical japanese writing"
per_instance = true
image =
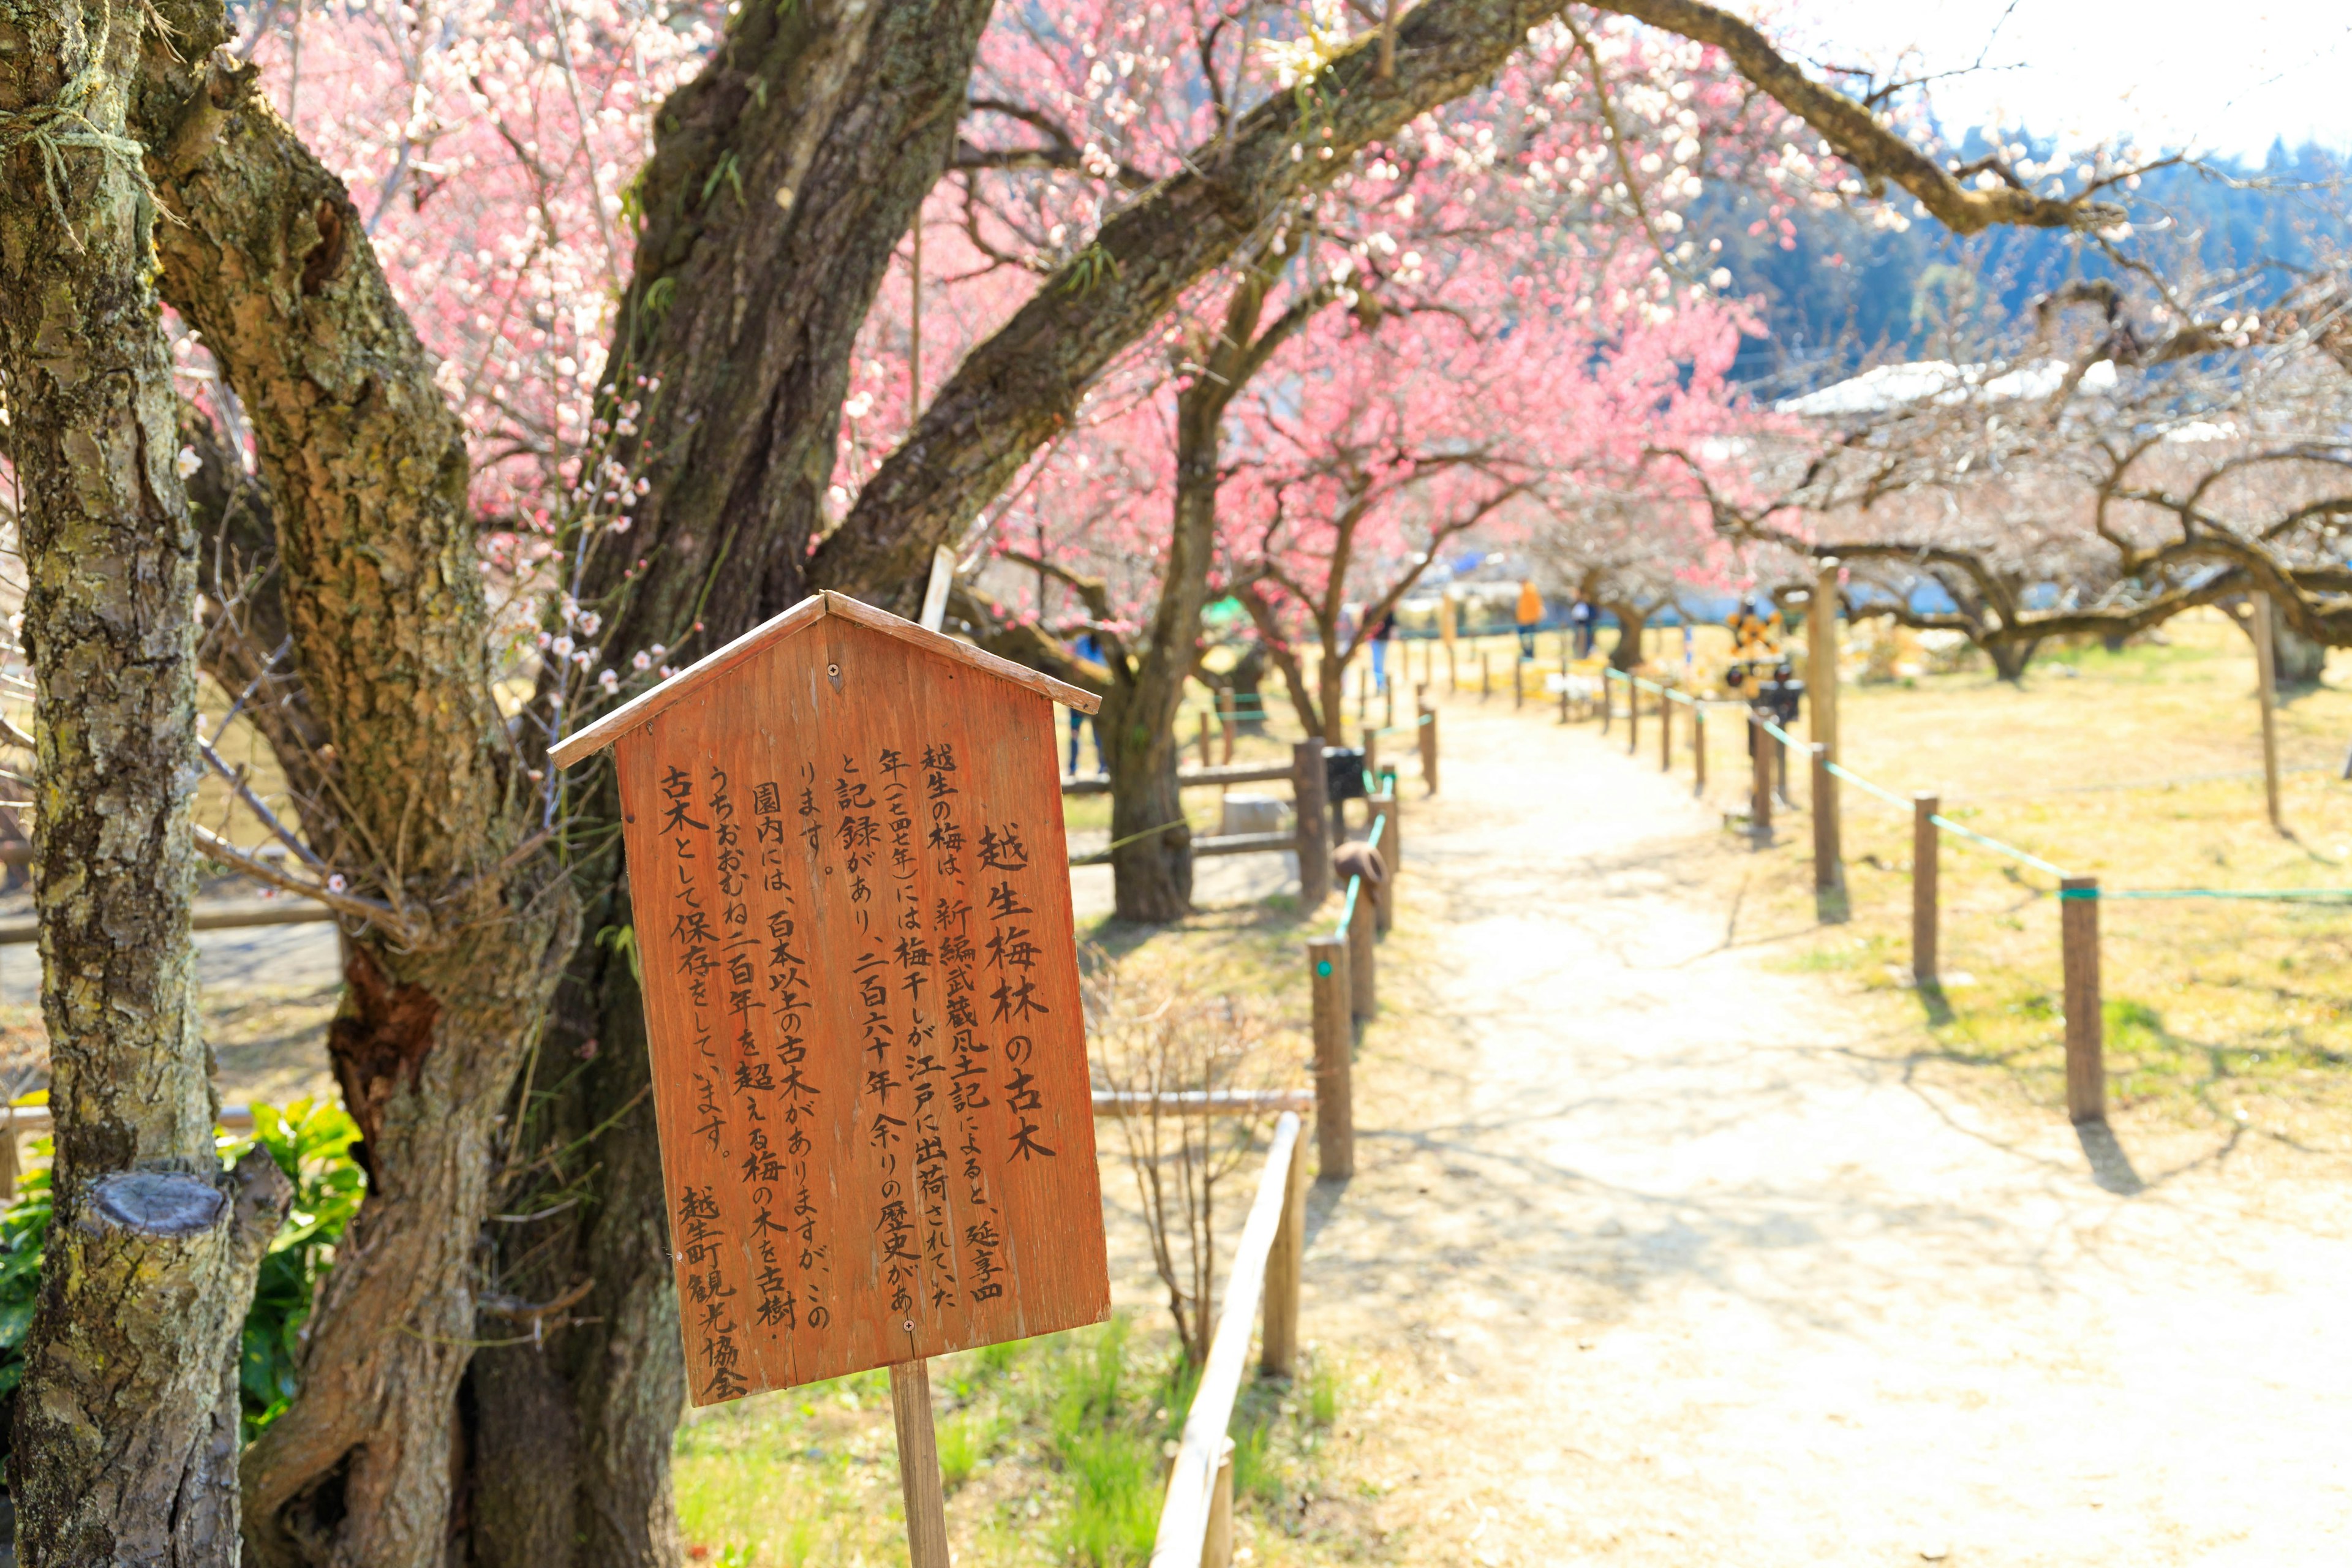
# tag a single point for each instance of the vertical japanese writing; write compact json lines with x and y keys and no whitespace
{"x":911,"y":953}
{"x":982,"y":1239}
{"x":1012,"y":957}
{"x":695,"y":939}
{"x":857,"y":837}
{"x":709,"y":1298}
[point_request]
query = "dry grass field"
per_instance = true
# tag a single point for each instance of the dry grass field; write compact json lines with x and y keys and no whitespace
{"x":2142,"y":768}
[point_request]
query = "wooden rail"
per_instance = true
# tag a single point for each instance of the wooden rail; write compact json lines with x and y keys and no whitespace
{"x":1199,"y":1484}
{"x":1188,"y":778}
{"x":1203,"y":1101}
{"x":285,"y":912}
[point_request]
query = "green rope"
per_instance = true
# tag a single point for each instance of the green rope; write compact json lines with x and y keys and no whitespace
{"x":2039,"y":864}
{"x":1887,"y":795}
{"x":1372,"y":841}
{"x":2262,"y":895}
{"x":1348,"y":912}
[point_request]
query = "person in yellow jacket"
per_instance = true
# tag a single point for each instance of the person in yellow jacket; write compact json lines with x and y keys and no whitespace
{"x":1530,"y":615}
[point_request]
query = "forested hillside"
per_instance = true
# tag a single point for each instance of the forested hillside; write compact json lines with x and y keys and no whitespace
{"x":1837,"y":291}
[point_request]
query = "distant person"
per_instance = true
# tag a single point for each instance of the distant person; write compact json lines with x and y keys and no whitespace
{"x":1382,"y":630}
{"x":1089,"y":647}
{"x":1531,"y":617}
{"x":1580,"y":616}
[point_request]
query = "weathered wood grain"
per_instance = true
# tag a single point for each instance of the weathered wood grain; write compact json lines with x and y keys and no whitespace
{"x":846,"y":863}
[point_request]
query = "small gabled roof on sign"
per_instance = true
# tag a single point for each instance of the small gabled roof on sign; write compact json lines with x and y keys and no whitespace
{"x":807,"y":613}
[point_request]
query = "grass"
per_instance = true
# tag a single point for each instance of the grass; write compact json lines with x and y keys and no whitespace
{"x":2140,"y":766}
{"x":1053,"y":1451}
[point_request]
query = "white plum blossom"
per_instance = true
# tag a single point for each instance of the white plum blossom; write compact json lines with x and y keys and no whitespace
{"x":188,"y":462}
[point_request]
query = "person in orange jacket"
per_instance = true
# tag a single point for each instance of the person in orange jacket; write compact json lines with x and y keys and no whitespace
{"x":1530,"y":615}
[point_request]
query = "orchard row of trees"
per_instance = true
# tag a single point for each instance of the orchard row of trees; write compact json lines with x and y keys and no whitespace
{"x":430,"y":377}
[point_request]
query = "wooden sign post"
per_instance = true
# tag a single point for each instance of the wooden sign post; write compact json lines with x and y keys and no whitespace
{"x":846,"y":868}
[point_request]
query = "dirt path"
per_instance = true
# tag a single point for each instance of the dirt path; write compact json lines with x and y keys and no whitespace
{"x":1663,"y":1257}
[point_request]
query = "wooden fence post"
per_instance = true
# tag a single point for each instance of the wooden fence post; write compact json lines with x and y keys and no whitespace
{"x":1217,"y":1543}
{"x":1698,"y":748}
{"x":1633,"y":714}
{"x":1362,"y":958}
{"x":2086,"y":1068}
{"x":918,"y":1464}
{"x":1284,"y":1267}
{"x":1308,"y":791}
{"x":2267,"y":692}
{"x":1665,"y":732}
{"x":1926,"y":850}
{"x":1208,"y":758}
{"x":1608,"y":701}
{"x":1335,"y":1111}
{"x":1827,"y":856}
{"x":1519,"y":684}
{"x":1760,"y":801}
{"x":1372,"y":754}
{"x":1427,"y":725}
{"x":1483,"y":686}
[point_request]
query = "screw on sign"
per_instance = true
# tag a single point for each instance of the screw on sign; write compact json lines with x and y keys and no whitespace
{"x":846,"y":863}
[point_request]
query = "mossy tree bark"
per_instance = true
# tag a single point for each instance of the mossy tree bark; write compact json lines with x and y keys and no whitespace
{"x":417,"y":794}
{"x":126,"y":1431}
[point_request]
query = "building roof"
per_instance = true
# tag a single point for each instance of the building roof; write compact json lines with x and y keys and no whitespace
{"x":596,"y":737}
{"x":1890,"y":386}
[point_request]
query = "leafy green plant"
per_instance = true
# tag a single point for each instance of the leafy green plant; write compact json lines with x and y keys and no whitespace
{"x":311,"y":1141}
{"x":23,"y":1231}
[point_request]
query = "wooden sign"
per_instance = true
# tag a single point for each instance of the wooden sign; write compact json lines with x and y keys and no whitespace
{"x":852,"y":908}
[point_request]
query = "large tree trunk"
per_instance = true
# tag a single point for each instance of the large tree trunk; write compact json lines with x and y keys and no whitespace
{"x":421,"y":803}
{"x":2010,"y":656}
{"x":852,"y":109}
{"x":126,"y":1433}
{"x":1632,"y":621}
{"x":1331,"y":695}
{"x":1151,"y":863}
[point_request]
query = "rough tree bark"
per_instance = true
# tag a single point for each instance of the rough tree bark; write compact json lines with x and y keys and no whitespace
{"x":126,"y":1433}
{"x":421,"y":800}
{"x":786,"y":174}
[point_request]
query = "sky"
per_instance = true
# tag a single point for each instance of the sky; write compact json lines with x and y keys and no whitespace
{"x":2226,"y":79}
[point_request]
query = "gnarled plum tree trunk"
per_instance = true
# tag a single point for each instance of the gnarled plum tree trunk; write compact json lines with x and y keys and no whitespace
{"x":2010,"y":656}
{"x":420,"y":800}
{"x":1633,"y":620}
{"x":126,"y":1432}
{"x":834,"y":120}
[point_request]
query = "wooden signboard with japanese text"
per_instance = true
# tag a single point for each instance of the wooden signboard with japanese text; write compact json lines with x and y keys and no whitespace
{"x":852,"y":906}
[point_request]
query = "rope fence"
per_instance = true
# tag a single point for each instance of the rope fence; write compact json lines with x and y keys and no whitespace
{"x":2078,"y":895}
